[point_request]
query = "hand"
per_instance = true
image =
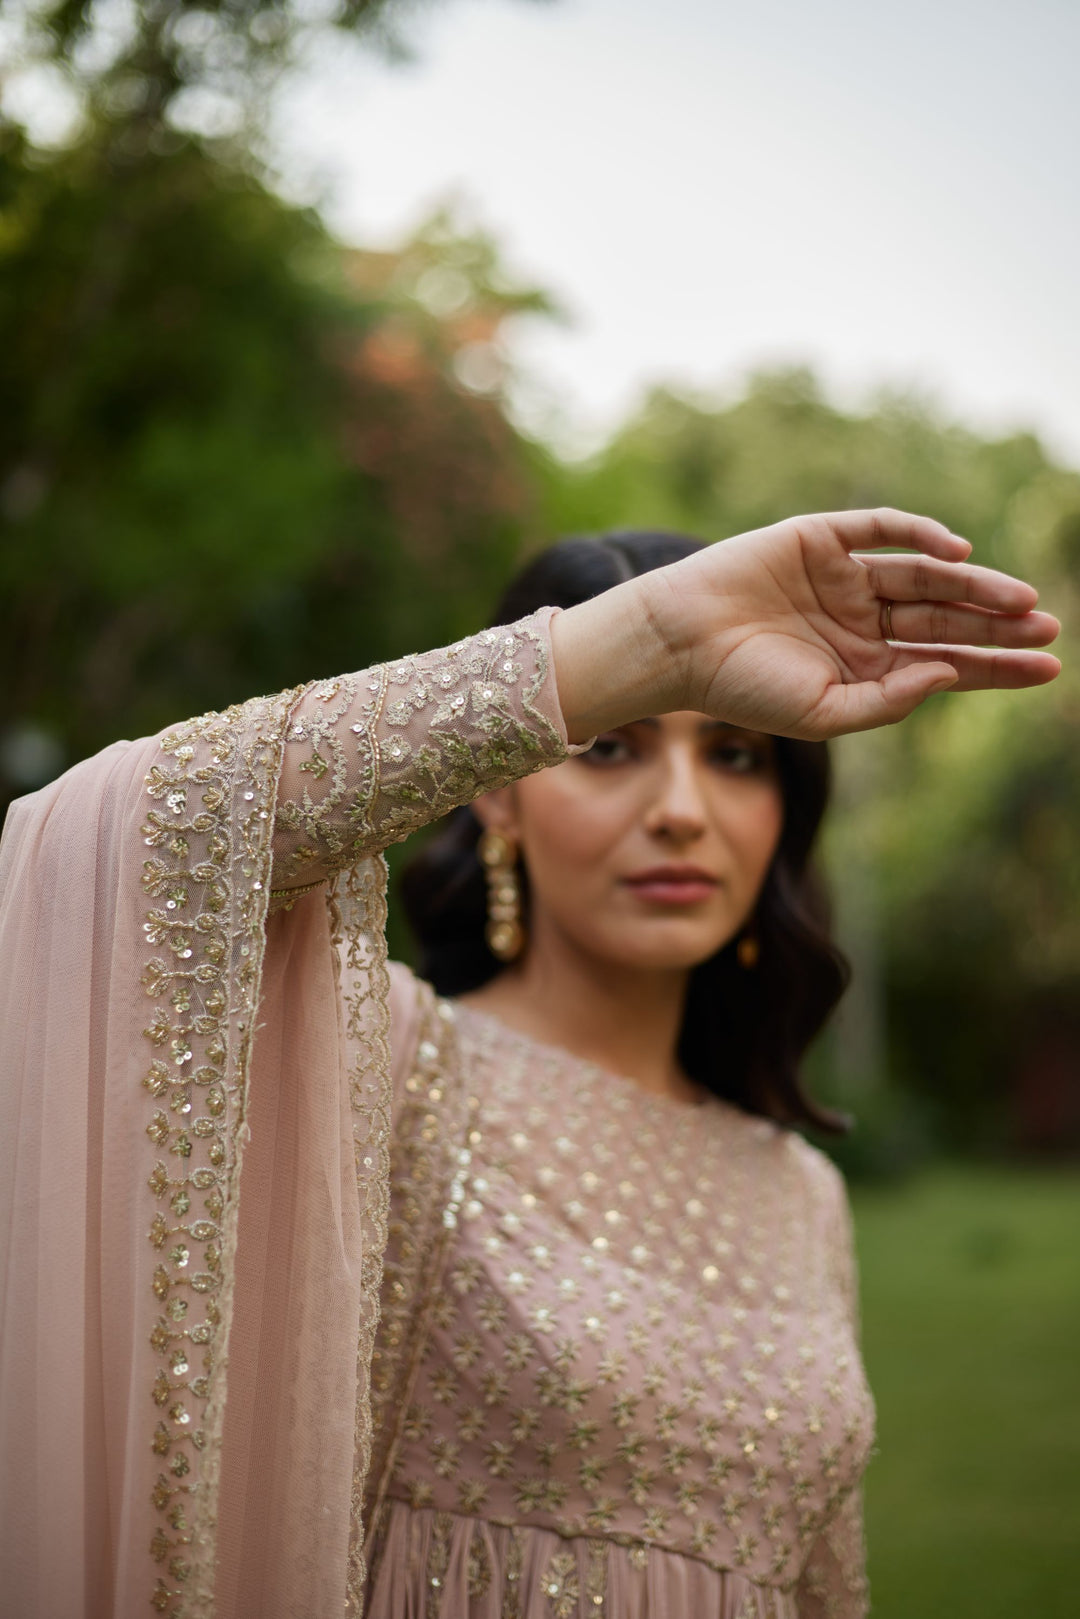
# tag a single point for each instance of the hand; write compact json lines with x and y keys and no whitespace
{"x":787,"y":630}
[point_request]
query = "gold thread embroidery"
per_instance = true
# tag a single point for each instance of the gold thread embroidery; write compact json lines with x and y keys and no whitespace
{"x":437,"y":1563}
{"x":478,"y":1563}
{"x":283,"y":899}
{"x":596,"y":1576}
{"x":513,"y":1601}
{"x":210,"y":878}
{"x":471,"y":697}
{"x":560,"y":1585}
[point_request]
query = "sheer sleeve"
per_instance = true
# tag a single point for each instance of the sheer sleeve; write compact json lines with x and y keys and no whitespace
{"x":833,"y":1583}
{"x":371,"y":757}
{"x":195,"y":1126}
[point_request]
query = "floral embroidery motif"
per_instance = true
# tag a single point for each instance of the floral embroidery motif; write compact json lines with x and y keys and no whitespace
{"x":362,"y":784}
{"x":560,"y":1585}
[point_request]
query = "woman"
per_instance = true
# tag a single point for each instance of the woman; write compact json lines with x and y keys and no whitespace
{"x":614,"y":1368}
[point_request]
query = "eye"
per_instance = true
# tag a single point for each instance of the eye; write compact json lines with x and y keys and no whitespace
{"x":742,"y":755}
{"x":607,"y":749}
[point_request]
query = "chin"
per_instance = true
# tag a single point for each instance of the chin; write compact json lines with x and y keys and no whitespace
{"x":689,"y":950}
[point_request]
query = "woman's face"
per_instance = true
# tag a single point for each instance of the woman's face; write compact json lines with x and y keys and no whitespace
{"x":676,"y":790}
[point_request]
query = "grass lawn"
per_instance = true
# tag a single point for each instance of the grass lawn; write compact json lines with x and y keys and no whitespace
{"x":970,"y":1283}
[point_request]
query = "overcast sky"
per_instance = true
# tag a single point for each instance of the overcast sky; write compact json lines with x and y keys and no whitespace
{"x":887,"y":191}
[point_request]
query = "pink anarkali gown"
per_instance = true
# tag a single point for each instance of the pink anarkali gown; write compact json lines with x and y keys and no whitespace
{"x":323,"y":1294}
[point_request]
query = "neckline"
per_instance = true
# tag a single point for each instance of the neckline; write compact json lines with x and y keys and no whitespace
{"x":595,"y":1070}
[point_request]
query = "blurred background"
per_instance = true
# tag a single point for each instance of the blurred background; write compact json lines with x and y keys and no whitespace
{"x":317,"y":316}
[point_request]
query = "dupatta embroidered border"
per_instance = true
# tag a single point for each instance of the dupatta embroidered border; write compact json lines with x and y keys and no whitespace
{"x":210,"y":878}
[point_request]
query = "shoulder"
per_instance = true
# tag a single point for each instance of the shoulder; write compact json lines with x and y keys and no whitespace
{"x":824,"y":1181}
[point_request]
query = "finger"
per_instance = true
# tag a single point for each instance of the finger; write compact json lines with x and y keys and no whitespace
{"x":912,"y":579}
{"x":918,"y":674}
{"x":885,"y":526}
{"x":969,"y":626}
{"x":979,"y":669}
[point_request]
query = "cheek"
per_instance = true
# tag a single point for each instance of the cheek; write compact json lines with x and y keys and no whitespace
{"x":753,"y":823}
{"x":568,"y":833}
{"x":763,"y":832}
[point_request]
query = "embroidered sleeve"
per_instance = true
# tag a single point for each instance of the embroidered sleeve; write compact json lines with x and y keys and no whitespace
{"x":370,"y":757}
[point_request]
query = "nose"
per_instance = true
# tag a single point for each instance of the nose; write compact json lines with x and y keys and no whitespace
{"x":678,"y":806}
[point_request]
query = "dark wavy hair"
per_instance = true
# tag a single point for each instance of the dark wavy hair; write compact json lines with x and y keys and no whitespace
{"x":744,"y":1031}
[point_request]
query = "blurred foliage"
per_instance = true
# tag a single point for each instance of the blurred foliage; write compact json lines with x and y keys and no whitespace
{"x":233,"y":456}
{"x":139,"y":66}
{"x":955,"y":845}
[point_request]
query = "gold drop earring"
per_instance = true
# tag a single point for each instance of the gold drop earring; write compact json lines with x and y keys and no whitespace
{"x":748,"y":951}
{"x":504,"y":932}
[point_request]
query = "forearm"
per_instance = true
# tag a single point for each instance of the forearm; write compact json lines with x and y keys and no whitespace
{"x":372,"y":756}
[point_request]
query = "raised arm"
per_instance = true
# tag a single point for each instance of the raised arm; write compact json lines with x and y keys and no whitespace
{"x":370,"y":757}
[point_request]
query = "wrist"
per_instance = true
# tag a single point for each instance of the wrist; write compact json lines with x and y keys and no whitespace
{"x":611,"y":664}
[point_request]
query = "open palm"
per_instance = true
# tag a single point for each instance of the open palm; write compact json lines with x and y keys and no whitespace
{"x":812,"y":627}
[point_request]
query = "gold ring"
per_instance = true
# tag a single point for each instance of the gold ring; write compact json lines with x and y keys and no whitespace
{"x":888,"y":622}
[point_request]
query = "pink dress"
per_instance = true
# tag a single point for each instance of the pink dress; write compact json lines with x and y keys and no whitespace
{"x":320,"y":1296}
{"x":631,"y":1382}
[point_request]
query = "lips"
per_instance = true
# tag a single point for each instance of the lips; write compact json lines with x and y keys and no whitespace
{"x":673,"y":874}
{"x":673,"y":885}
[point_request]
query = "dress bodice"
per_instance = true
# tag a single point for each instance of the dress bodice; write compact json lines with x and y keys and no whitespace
{"x":642,"y":1344}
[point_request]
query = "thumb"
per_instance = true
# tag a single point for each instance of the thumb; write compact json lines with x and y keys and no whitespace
{"x":870,"y":703}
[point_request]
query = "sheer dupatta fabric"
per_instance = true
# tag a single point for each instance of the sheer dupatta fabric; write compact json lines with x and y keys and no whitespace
{"x":195,"y":1124}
